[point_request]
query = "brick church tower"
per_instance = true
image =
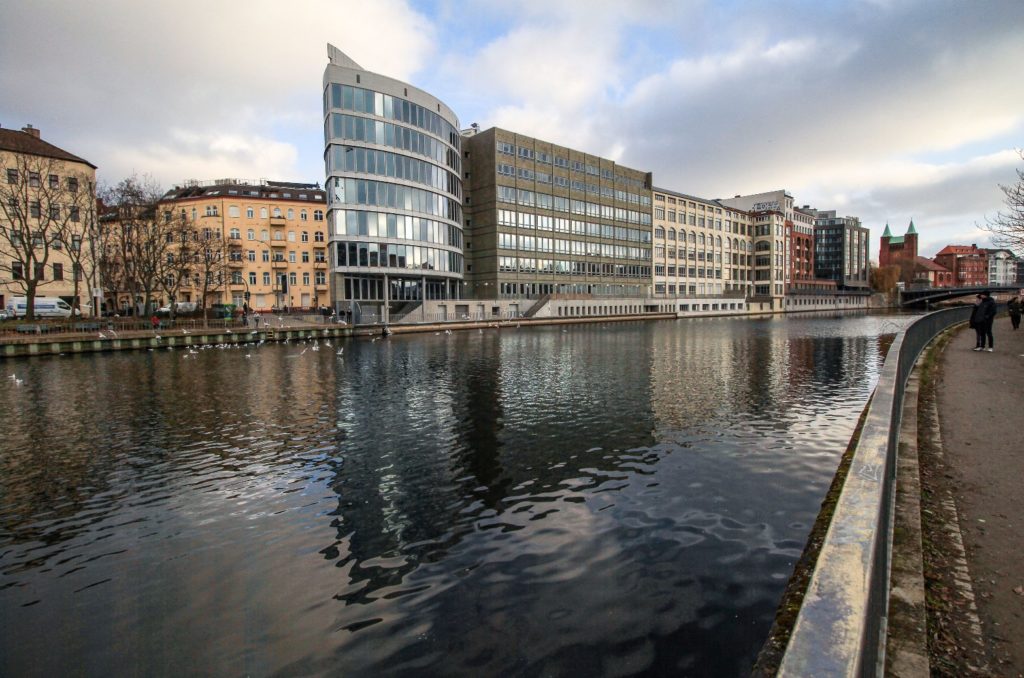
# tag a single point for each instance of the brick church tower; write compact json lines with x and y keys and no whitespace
{"x":892,"y":249}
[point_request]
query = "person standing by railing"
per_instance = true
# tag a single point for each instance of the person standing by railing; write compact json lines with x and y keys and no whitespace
{"x":982,"y":316}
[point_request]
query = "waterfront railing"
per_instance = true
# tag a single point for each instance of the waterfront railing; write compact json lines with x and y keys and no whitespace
{"x":841,"y":627}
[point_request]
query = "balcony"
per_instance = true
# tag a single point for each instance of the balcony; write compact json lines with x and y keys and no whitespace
{"x":235,"y":284}
{"x":278,"y":221}
{"x":236,"y":263}
{"x":279,"y":263}
{"x":234,"y":242}
{"x":278,"y":243}
{"x":320,"y":287}
{"x":320,"y":265}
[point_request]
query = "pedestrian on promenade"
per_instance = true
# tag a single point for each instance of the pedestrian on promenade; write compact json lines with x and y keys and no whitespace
{"x":981,"y":320}
{"x":1014,"y":307}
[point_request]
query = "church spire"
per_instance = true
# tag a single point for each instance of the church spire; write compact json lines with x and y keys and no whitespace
{"x":911,"y":230}
{"x":888,"y":233}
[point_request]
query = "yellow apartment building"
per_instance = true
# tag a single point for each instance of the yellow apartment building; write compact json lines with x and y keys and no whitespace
{"x":273,"y":236}
{"x":47,"y":203}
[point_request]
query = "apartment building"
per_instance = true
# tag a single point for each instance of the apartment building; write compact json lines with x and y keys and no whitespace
{"x":544,"y":219}
{"x":47,"y":203}
{"x":393,"y":156}
{"x":271,"y":238}
{"x":1002,"y":267}
{"x":701,"y":248}
{"x":968,"y":264}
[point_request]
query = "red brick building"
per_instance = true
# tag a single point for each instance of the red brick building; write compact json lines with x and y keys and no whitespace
{"x":967,"y":263}
{"x":935,"y":274}
{"x":894,"y":249}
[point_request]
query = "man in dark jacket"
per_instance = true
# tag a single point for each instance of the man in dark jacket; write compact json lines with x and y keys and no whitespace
{"x":981,"y":320}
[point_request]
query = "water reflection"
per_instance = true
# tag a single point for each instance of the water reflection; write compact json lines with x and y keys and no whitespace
{"x":600,"y":500}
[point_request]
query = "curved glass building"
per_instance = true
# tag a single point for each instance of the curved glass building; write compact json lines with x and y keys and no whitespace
{"x":394,"y":193}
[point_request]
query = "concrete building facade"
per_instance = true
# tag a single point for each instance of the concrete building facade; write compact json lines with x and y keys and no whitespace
{"x":1002,"y":267}
{"x":543,"y":219}
{"x":393,"y":156}
{"x":702,"y":248}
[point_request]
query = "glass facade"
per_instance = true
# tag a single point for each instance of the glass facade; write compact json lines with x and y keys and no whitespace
{"x":393,"y":161}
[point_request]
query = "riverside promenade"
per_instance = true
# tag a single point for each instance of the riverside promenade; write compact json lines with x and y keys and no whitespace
{"x":972,"y":474}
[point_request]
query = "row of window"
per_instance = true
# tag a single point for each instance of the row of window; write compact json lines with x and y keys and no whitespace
{"x":35,"y":180}
{"x":401,"y":226}
{"x":381,"y":105}
{"x":525,"y":174}
{"x":354,"y":128}
{"x":407,"y":257}
{"x":250,"y":234}
{"x":527,"y":153}
{"x":381,"y":194}
{"x":39,"y":239}
{"x":544,"y":222}
{"x":250,"y":213}
{"x":368,"y":161}
{"x":693,"y":272}
{"x":319,"y":278}
{"x":56,"y":271}
{"x":567,"y":267}
{"x":54,"y":212}
{"x":318,"y":256}
{"x":558,"y":203}
{"x":529,"y":243}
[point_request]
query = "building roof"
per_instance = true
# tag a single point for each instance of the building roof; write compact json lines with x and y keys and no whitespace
{"x":17,"y":141}
{"x":959,"y":250}
{"x":887,"y":233}
{"x":238,"y":188}
{"x":911,"y":230}
{"x":926,"y":263}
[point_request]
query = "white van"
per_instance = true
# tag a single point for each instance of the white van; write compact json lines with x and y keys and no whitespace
{"x":45,"y":307}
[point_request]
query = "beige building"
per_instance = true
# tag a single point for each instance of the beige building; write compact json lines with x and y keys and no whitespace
{"x":273,"y":236}
{"x":47,"y":203}
{"x":702,"y":248}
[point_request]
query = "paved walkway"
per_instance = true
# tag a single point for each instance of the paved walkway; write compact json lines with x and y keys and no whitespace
{"x":981,"y":420}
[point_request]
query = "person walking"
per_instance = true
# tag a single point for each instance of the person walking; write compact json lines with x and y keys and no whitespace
{"x":1014,"y":308}
{"x":981,"y":320}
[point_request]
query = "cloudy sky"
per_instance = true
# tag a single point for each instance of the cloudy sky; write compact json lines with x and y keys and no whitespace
{"x":884,"y":109}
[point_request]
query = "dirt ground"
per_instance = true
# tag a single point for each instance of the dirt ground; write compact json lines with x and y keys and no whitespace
{"x":972,"y":474}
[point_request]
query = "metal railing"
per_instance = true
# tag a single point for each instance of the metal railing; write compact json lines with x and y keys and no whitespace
{"x":840,"y":630}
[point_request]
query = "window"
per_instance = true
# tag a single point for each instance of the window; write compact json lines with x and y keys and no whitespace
{"x":58,"y":271}
{"x":318,"y":236}
{"x":250,"y":212}
{"x":33,"y":179}
{"x":72,"y":184}
{"x":266,"y":255}
{"x":12,"y":176}
{"x":302,"y":215}
{"x":263,"y":213}
{"x":320,"y":278}
{"x":305,"y":236}
{"x":305,"y":257}
{"x":291,"y":257}
{"x":55,"y":212}
{"x":293,"y":278}
{"x":40,"y":271}
{"x":76,"y":243}
{"x":16,"y":271}
{"x":34,"y":209}
{"x":251,"y":254}
{"x":277,"y":212}
{"x":318,"y":215}
{"x":54,"y":182}
{"x":264,"y":235}
{"x":305,"y":278}
{"x":266,"y":278}
{"x":233,"y":211}
{"x":252,"y":277}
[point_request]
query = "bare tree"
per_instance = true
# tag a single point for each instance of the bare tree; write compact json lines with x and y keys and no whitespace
{"x":1007,"y":227}
{"x":42,"y":201}
{"x":141,"y":237}
{"x":211,"y":263}
{"x":181,"y":257}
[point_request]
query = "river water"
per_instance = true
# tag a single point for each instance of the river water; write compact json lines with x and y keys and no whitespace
{"x":593,"y":500}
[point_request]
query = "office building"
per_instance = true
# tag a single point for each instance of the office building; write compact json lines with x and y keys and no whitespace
{"x":841,"y":247}
{"x":701,"y":247}
{"x":393,"y":156}
{"x":543,"y":219}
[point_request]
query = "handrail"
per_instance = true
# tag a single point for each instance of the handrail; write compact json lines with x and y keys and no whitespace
{"x":840,"y":629}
